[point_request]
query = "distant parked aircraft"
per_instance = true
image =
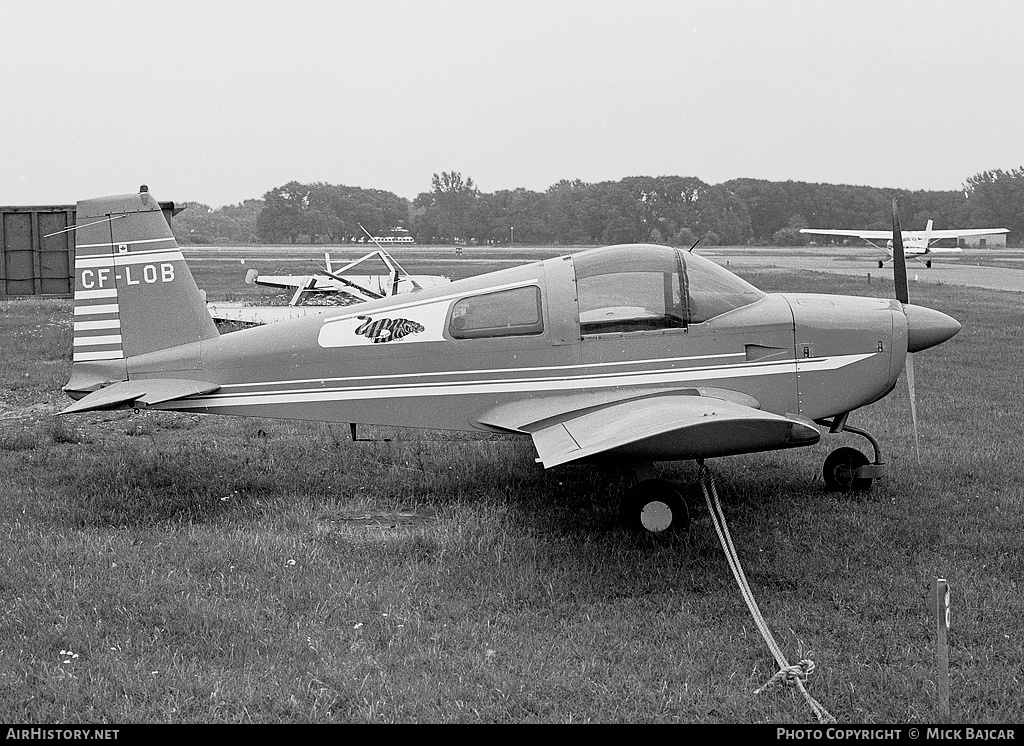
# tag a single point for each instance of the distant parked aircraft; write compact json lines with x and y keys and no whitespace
{"x":915,"y":243}
{"x":332,"y":281}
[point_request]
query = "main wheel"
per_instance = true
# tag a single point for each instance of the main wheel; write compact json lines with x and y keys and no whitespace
{"x":838,"y":470}
{"x":655,"y":506}
{"x":928,"y":264}
{"x":881,"y":265}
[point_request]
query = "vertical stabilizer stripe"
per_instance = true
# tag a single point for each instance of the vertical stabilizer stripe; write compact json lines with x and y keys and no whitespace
{"x":91,"y":294}
{"x":102,"y":355}
{"x":96,"y":309}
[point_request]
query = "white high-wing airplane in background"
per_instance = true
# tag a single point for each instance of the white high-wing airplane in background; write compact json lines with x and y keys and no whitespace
{"x":915,"y":243}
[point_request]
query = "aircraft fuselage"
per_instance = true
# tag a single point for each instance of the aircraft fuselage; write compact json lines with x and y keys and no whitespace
{"x":405,"y":361}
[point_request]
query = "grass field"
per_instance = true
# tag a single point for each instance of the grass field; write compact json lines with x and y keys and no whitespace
{"x":165,"y":568}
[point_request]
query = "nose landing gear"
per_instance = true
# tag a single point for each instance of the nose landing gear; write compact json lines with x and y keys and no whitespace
{"x":841,"y":466}
{"x":848,"y":469}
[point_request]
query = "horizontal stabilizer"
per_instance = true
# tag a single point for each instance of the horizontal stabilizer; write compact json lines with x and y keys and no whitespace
{"x":144,"y":391}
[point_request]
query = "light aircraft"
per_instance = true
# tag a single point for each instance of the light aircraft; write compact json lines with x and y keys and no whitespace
{"x":338,"y":278}
{"x":334,"y":282}
{"x":915,"y":243}
{"x":629,"y":354}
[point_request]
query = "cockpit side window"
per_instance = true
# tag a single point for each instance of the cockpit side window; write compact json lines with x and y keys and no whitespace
{"x":506,"y":313}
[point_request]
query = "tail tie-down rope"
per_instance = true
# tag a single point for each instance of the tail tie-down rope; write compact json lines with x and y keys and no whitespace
{"x":792,"y":675}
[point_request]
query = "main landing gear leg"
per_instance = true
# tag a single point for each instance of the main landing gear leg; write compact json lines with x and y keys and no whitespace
{"x":847,"y":468}
{"x":654,"y":505}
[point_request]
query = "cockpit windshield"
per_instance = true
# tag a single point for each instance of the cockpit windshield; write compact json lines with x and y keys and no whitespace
{"x":713,"y":290}
{"x":640,"y":287}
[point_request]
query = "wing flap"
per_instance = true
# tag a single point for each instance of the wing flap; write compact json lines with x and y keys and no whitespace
{"x":663,"y":428}
{"x":145,"y":391}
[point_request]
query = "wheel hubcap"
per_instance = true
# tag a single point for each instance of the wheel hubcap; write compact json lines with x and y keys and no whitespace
{"x":656,"y":516}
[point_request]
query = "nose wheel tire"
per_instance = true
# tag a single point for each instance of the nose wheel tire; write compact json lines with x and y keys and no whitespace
{"x":654,"y":506}
{"x":839,"y":471}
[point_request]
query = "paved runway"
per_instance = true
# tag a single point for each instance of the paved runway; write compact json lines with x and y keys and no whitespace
{"x":956,"y":271}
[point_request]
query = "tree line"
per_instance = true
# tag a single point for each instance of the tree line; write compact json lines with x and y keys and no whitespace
{"x":676,"y":210}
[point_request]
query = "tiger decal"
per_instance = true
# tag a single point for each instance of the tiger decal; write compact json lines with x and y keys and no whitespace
{"x":386,"y":330}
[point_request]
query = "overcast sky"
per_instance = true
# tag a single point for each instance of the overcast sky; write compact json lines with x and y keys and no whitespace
{"x":217,"y":101}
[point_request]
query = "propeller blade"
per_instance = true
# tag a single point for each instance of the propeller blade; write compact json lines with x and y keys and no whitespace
{"x":899,"y":276}
{"x":913,"y":402}
{"x":899,"y":258}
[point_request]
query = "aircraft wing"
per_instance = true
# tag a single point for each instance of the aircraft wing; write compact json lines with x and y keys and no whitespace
{"x":868,"y":235}
{"x":886,"y":235}
{"x":146,"y":391}
{"x":275,"y":281}
{"x":664,"y":427}
{"x":263,"y":314}
{"x":311,"y":283}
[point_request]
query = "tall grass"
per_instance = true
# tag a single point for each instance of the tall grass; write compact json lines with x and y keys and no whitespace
{"x":178,"y":568}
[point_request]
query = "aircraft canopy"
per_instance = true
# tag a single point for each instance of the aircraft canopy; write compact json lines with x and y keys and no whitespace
{"x":640,"y":286}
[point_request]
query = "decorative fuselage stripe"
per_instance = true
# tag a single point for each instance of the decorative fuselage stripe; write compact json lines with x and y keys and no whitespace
{"x":561,"y":370}
{"x":519,"y":385}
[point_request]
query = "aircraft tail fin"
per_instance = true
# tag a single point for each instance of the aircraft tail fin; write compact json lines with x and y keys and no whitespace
{"x":133,"y":291}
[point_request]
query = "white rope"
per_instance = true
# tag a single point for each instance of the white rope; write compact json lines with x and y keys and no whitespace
{"x":792,"y":675}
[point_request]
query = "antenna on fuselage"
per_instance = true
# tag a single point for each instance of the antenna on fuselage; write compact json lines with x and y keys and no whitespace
{"x":694,"y":246}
